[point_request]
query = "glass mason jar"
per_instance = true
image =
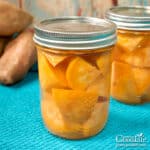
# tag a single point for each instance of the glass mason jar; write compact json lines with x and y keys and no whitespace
{"x":74,"y":59}
{"x":131,"y":56}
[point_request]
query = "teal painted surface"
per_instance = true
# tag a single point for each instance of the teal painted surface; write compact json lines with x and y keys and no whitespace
{"x":21,"y":126}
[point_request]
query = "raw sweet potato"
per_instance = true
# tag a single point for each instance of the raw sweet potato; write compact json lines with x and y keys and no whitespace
{"x":12,"y":19}
{"x":19,"y":55}
{"x":3,"y":42}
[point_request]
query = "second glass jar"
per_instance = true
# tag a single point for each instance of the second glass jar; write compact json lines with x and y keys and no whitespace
{"x":131,"y":56}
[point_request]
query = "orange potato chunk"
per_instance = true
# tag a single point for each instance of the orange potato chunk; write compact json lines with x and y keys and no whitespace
{"x":75,"y":106}
{"x":104,"y":63}
{"x":91,"y":58}
{"x":101,"y":86}
{"x":142,"y":79}
{"x":55,"y":59}
{"x":118,"y":54}
{"x":141,"y":57}
{"x":60,"y":71}
{"x":50,"y":77}
{"x":97,"y":120}
{"x":123,"y":86}
{"x":54,"y":121}
{"x":80,"y":74}
{"x":102,"y":83}
{"x":130,"y":42}
{"x":52,"y":116}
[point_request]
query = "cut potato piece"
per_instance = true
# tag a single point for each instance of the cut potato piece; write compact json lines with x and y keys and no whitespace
{"x":52,"y":116}
{"x":142,"y":79}
{"x":54,"y":121}
{"x":123,"y":86}
{"x":50,"y":77}
{"x":47,"y":76}
{"x":55,"y":59}
{"x":75,"y":106}
{"x":60,"y":71}
{"x":101,"y":86}
{"x":97,"y":120}
{"x":119,"y":55}
{"x":91,"y":58}
{"x":140,"y":58}
{"x":104,"y":63}
{"x":80,"y":74}
{"x":129,"y":43}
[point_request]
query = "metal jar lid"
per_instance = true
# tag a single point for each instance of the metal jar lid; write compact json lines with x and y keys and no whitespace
{"x":130,"y":17}
{"x":75,"y":33}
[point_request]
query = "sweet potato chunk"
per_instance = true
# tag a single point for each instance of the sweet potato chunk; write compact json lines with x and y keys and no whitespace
{"x":55,"y":59}
{"x":19,"y":55}
{"x":54,"y":121}
{"x":97,"y":120}
{"x":123,"y":86}
{"x":80,"y":74}
{"x":50,"y":77}
{"x":12,"y":19}
{"x":141,"y":57}
{"x":129,"y":43}
{"x":142,"y":79}
{"x":51,"y":115}
{"x":75,"y":106}
{"x":104,"y":63}
{"x":119,"y":55}
{"x":101,"y":86}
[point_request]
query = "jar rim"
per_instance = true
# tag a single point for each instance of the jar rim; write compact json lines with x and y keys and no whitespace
{"x":75,"y":32}
{"x":130,"y":17}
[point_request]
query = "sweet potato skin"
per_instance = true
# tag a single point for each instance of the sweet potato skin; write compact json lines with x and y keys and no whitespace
{"x":12,"y":19}
{"x":3,"y":42}
{"x":19,"y":55}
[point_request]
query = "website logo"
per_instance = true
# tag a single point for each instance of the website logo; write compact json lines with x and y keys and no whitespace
{"x":138,"y":140}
